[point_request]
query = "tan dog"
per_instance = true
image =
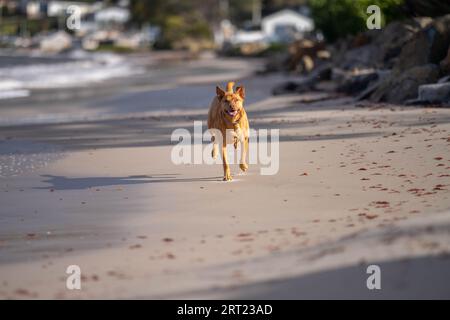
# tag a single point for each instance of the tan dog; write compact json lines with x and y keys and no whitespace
{"x":227,"y":112}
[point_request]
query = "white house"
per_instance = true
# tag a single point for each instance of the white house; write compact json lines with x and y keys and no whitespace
{"x":284,"y":23}
{"x":282,"y":26}
{"x":112,"y":15}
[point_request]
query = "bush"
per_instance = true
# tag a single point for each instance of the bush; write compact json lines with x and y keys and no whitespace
{"x":177,"y":28}
{"x":337,"y":19}
{"x":180,"y":21}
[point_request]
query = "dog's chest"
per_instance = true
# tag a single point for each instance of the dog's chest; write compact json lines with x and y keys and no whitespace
{"x":230,"y":135}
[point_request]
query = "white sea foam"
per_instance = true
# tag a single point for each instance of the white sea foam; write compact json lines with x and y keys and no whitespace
{"x":10,"y":94}
{"x":12,"y":89}
{"x":16,"y":81}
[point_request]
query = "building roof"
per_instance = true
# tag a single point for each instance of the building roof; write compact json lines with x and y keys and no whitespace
{"x":284,"y":12}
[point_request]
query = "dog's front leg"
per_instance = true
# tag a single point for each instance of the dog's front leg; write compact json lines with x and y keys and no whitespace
{"x":226,"y":167}
{"x":243,"y":163}
{"x":238,"y":135}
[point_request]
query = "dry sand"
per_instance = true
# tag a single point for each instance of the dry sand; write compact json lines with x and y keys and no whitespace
{"x":356,"y":186}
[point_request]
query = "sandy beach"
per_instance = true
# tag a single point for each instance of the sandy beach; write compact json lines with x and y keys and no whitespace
{"x":358,"y":184}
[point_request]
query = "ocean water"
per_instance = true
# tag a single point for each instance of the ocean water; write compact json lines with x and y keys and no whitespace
{"x":17,"y":158}
{"x":19,"y":74}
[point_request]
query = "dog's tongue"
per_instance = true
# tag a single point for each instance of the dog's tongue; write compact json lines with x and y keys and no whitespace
{"x":232,"y":113}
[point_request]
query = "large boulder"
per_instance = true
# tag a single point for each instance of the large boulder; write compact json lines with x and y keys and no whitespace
{"x":401,"y":86}
{"x":429,"y":45}
{"x":56,"y":42}
{"x":435,"y":93}
{"x":422,"y":60}
{"x":353,"y":82}
{"x":305,"y":54}
{"x":377,"y":48}
{"x":290,"y":87}
{"x":445,"y":63}
{"x":429,"y":8}
{"x":305,"y":84}
{"x":441,"y":39}
{"x":392,"y":39}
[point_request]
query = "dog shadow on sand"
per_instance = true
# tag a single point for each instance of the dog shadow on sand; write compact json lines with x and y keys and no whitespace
{"x":67,"y":183}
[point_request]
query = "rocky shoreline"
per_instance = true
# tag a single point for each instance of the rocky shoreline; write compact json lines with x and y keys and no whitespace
{"x":407,"y":62}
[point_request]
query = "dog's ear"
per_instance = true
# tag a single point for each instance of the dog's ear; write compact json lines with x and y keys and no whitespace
{"x":220,"y":93}
{"x":241,"y":92}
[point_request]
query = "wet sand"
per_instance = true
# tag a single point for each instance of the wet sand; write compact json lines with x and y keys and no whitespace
{"x":357,"y":185}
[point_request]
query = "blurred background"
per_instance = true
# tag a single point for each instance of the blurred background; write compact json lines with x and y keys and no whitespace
{"x":127,"y":25}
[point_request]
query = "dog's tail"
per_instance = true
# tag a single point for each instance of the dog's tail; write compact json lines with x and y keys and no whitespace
{"x":230,"y":86}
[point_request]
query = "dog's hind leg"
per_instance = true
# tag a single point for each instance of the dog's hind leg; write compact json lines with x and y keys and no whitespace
{"x":215,"y":149}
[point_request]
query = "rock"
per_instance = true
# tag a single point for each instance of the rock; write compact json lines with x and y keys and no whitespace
{"x":303,"y":54}
{"x":421,"y":61}
{"x":284,"y":88}
{"x":380,"y":48}
{"x":90,"y":44}
{"x":373,"y":85}
{"x":399,"y":87}
{"x":437,"y":93}
{"x":415,"y":53}
{"x":444,"y":79}
{"x":56,"y":42}
{"x":361,"y":57}
{"x":294,"y":87}
{"x":387,"y":65}
{"x":394,"y":37}
{"x":307,"y":64}
{"x":429,"y":45}
{"x":353,"y":83}
{"x":440,"y":33}
{"x":321,"y":73}
{"x":445,"y":63}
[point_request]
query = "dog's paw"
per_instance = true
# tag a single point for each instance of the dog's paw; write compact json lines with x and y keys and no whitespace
{"x":227,"y":177}
{"x":243,"y":166}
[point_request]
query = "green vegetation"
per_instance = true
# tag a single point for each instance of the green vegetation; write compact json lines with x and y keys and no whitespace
{"x":177,"y":28}
{"x":339,"y":18}
{"x":112,"y":48}
{"x":21,"y":25}
{"x":178,"y":20}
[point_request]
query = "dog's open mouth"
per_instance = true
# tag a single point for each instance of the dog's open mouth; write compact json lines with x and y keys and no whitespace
{"x":232,"y":112}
